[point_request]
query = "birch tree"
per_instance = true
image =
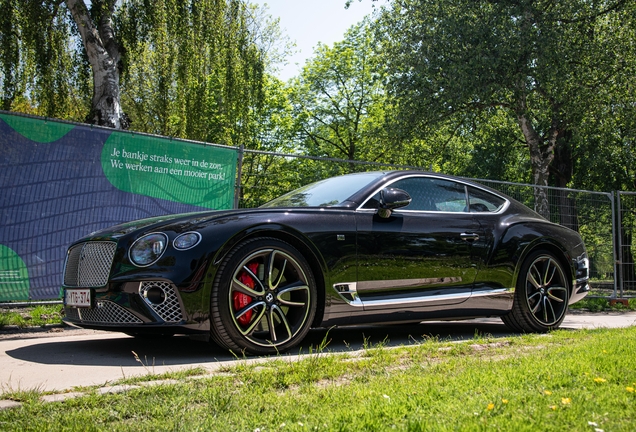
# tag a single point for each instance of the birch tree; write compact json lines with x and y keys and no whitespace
{"x":191,"y":69}
{"x":104,"y":55}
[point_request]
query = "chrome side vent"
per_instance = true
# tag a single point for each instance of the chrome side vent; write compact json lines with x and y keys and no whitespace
{"x":348,"y":292}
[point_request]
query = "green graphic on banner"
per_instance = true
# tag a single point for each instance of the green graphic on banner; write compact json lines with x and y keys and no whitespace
{"x":14,"y":276}
{"x":36,"y":129}
{"x":171,"y":170}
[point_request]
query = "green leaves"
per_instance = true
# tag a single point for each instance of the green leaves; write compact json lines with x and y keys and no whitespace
{"x":551,"y":75}
{"x":195,"y":66}
{"x":517,"y":90}
{"x":338,"y":99}
{"x":40,"y":72}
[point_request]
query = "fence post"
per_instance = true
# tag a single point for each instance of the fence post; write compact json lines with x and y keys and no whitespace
{"x":619,"y":241}
{"x":618,"y":268}
{"x":239,"y":174}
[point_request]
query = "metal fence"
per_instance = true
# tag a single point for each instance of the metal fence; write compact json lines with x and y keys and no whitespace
{"x":626,"y":244}
{"x":592,"y":214}
{"x":265,"y":175}
{"x":606,"y":221}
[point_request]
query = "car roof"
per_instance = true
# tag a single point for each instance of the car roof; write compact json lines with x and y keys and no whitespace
{"x":391,"y":176}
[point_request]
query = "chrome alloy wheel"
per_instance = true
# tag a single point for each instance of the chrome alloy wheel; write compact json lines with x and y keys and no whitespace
{"x":546,"y":290}
{"x":270,"y":299}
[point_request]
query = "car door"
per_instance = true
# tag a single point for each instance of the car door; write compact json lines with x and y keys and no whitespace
{"x":487,"y":208}
{"x":424,"y":254}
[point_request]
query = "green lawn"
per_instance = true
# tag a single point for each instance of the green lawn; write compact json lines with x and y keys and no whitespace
{"x":33,"y":316}
{"x":566,"y":380}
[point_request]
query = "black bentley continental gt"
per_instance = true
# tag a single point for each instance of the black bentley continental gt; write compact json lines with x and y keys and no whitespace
{"x":375,"y":247}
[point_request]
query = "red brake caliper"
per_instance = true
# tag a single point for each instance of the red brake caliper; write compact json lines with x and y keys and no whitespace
{"x":241,"y":300}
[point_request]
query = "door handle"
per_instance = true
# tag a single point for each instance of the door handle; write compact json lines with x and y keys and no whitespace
{"x":469,"y":237}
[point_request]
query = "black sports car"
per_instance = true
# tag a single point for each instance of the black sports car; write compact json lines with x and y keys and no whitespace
{"x":375,"y":247}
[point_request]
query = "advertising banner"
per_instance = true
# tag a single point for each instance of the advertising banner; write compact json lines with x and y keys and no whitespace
{"x":61,"y":181}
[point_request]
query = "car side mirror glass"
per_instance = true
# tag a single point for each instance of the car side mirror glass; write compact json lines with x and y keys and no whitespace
{"x":391,"y":199}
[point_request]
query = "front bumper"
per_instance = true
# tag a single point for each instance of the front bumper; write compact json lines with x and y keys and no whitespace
{"x":134,"y":307}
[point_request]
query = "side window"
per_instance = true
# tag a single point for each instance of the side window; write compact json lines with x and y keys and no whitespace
{"x":429,"y":194}
{"x":484,"y":202}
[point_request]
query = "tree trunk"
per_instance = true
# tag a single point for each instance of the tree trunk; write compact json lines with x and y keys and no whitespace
{"x":563,"y":167}
{"x":104,"y":56}
{"x":541,"y":155}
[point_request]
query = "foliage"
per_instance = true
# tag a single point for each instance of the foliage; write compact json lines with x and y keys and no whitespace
{"x":195,"y":68}
{"x":598,"y":304}
{"x":495,"y":148}
{"x":334,"y":109}
{"x":339,"y":100}
{"x":607,"y":158}
{"x":190,"y":69}
{"x":543,"y":64}
{"x":503,"y":90}
{"x":266,"y":176}
{"x":42,"y":70}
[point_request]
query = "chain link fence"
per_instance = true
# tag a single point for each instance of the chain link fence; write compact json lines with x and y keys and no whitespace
{"x":266,"y":175}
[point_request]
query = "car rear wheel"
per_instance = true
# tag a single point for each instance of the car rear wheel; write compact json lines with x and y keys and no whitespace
{"x":264,"y":298}
{"x":541,"y":296}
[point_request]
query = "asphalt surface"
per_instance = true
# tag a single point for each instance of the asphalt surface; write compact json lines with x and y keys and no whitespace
{"x":59,"y":359}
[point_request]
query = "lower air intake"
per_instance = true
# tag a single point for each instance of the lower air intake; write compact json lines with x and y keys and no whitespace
{"x":106,"y":312}
{"x":167,"y":306}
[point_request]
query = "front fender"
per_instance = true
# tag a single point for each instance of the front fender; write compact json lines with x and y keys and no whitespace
{"x":276,"y":230}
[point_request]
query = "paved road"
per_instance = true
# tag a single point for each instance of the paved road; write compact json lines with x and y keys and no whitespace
{"x":59,"y":360}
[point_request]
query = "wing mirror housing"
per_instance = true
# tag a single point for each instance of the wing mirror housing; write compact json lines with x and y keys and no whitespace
{"x":391,"y":199}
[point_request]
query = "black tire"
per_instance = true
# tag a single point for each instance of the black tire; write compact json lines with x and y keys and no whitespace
{"x":541,"y":296}
{"x":263,"y":298}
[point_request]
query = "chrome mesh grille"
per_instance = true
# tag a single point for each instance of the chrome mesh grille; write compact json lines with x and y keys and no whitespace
{"x":169,"y":310}
{"x":106,"y":312}
{"x":88,"y":264}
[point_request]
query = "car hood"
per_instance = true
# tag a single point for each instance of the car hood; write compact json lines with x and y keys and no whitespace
{"x":181,"y":220}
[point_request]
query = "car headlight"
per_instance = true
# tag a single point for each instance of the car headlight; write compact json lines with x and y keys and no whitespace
{"x":148,"y":249}
{"x":186,"y":240}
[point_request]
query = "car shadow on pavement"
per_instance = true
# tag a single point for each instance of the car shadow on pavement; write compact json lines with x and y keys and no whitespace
{"x":113,"y":350}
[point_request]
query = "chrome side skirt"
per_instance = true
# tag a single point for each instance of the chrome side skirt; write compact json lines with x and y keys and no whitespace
{"x":349,"y":293}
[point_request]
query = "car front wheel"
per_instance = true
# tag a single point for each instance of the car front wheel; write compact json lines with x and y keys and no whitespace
{"x":264,"y":298}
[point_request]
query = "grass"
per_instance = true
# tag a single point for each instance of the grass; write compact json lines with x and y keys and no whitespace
{"x":598,"y":304}
{"x":31,"y":316}
{"x":566,"y":380}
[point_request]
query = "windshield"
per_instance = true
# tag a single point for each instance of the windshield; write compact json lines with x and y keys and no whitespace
{"x":325,"y":193}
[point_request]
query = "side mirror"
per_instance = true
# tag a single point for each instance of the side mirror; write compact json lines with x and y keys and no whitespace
{"x":391,"y":199}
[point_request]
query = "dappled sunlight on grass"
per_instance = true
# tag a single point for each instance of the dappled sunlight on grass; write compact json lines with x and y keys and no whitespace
{"x":564,"y":380}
